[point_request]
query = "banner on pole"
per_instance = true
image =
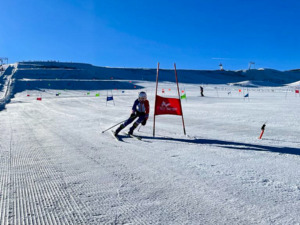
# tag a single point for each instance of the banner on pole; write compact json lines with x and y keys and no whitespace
{"x":167,"y":106}
{"x":109,"y":98}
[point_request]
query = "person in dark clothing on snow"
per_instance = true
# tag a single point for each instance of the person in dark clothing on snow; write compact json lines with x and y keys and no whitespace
{"x":201,"y":91}
{"x":140,"y":110}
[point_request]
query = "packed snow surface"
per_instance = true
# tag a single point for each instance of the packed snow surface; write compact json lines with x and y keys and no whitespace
{"x":57,"y":167}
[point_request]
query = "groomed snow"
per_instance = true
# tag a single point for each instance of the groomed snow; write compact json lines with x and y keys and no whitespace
{"x":57,"y":167}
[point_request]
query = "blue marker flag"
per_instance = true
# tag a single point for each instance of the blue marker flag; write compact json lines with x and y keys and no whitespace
{"x":247,"y":95}
{"x":111,"y":98}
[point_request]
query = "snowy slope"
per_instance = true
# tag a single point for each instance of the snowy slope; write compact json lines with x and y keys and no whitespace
{"x":58,"y":168}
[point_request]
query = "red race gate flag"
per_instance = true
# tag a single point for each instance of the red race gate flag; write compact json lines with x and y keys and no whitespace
{"x":167,"y":106}
{"x":297,"y":91}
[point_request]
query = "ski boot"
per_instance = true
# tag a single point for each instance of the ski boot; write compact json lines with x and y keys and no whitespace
{"x":132,"y":128}
{"x":119,"y":129}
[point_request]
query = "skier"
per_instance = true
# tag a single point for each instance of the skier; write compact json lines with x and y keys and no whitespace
{"x":201,"y":90}
{"x":140,"y":110}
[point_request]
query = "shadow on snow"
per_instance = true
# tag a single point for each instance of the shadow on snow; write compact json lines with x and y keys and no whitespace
{"x":232,"y":145}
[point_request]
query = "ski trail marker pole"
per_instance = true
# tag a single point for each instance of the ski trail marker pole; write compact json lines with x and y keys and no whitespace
{"x":262,"y":130}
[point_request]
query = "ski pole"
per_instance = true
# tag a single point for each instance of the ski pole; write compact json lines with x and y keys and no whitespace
{"x":262,"y":131}
{"x":113,"y":126}
{"x":117,"y":124}
{"x":139,"y":127}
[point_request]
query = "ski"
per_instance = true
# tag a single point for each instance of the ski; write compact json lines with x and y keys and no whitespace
{"x":115,"y":137}
{"x":134,"y":136}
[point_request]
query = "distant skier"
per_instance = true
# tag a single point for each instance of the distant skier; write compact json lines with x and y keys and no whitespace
{"x":140,"y":110}
{"x":201,"y":91}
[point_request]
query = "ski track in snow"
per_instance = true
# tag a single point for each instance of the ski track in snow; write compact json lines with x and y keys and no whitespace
{"x":57,"y":167}
{"x":35,"y":190}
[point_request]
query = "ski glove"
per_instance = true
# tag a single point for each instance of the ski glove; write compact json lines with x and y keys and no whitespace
{"x":144,"y":122}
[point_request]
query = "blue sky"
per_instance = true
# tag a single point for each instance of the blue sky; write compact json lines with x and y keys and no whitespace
{"x":136,"y":33}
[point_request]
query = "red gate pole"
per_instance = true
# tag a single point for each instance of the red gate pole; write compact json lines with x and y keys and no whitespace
{"x":261,"y":134}
{"x":262,"y":131}
{"x":155,"y":99}
{"x":179,"y":100}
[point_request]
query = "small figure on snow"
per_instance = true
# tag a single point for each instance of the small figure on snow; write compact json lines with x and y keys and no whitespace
{"x":201,"y":91}
{"x":140,"y":110}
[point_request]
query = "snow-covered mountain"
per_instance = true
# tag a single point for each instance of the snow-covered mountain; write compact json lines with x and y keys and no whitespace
{"x":50,"y":70}
{"x":79,"y":76}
